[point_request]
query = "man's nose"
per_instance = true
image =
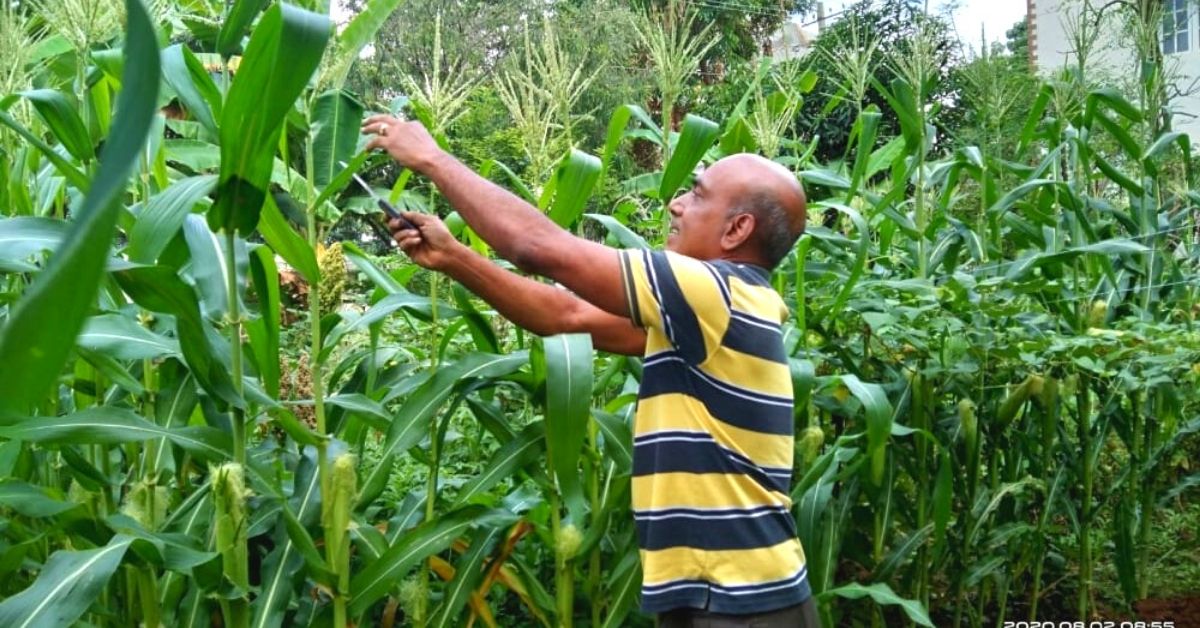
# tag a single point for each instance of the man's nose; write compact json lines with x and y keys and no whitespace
{"x":676,"y":206}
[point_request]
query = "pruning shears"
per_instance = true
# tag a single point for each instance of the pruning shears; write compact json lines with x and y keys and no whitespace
{"x":383,"y":204}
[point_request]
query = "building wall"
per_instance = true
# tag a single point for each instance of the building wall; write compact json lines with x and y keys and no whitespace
{"x":1112,"y":58}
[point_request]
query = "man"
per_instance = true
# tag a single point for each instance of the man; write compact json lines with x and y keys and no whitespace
{"x":713,"y":435}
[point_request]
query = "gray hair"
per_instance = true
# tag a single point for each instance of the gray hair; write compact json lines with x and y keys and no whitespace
{"x":771,"y":230}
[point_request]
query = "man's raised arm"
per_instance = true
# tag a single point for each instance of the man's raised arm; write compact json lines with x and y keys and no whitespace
{"x":542,"y":309}
{"x":515,"y":229}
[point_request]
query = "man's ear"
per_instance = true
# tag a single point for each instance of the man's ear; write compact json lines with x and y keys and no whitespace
{"x":738,"y":231}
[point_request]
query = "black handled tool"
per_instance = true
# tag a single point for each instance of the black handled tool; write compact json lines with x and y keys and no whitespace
{"x":387,"y":207}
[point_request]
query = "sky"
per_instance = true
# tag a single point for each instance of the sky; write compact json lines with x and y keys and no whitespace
{"x":997,"y":16}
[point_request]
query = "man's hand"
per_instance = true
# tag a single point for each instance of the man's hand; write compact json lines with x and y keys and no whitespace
{"x":430,"y":245}
{"x":406,"y":142}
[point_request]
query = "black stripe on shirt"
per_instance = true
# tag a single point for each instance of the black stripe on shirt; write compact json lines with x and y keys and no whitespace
{"x":689,"y":452}
{"x":631,"y":300}
{"x":731,"y":529}
{"x":684,"y":328}
{"x":667,"y":373}
{"x":754,"y":336}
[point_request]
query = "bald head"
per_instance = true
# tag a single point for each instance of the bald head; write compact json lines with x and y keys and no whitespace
{"x":772,"y":194}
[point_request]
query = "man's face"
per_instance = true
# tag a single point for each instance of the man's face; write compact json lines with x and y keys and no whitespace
{"x":700,"y":215}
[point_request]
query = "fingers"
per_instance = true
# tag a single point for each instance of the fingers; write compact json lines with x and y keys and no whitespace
{"x":377,"y":123}
{"x":408,"y":240}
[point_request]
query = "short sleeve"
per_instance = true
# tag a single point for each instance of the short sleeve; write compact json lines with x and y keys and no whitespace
{"x":684,"y":298}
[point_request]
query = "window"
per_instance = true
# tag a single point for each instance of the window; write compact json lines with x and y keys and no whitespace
{"x":1175,"y":26}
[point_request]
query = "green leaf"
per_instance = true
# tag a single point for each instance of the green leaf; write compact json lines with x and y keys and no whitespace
{"x":195,"y":88}
{"x":943,"y":494}
{"x":286,"y":242}
{"x":336,"y":118}
{"x":737,"y":137}
{"x":623,"y":234}
{"x":263,"y":331}
{"x":159,"y":289}
{"x":412,"y":422}
{"x":1114,"y":101}
{"x":66,"y":586}
{"x":618,"y":439}
{"x":904,"y":103}
{"x":281,"y":567}
{"x":283,"y":52}
{"x":510,"y":458}
{"x":358,"y":34}
{"x":900,"y":553}
{"x":879,"y":421}
{"x":867,"y":126}
{"x":26,"y":236}
{"x":1035,"y":116}
{"x":617,"y":123}
{"x":468,"y":573}
{"x":64,"y":122}
{"x":574,"y":180}
{"x":696,"y":136}
{"x":374,"y":581}
{"x":229,"y":40}
{"x":208,"y":268}
{"x":624,"y":590}
{"x":862,"y":250}
{"x":159,"y":221}
{"x":31,"y":352}
{"x":1132,"y":149}
{"x":481,"y":330}
{"x":568,"y":399}
{"x":68,"y":170}
{"x":376,"y":274}
{"x":31,"y":501}
{"x":122,"y":338}
{"x":116,"y":426}
{"x":883,"y":595}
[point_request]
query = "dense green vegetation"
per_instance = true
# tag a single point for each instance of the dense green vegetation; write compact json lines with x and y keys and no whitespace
{"x":224,"y":399}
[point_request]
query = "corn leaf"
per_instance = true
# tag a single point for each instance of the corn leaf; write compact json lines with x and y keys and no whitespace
{"x":468,"y":572}
{"x":24,"y":237}
{"x":883,"y":595}
{"x":263,"y":332}
{"x":283,"y":52}
{"x":242,"y":14}
{"x":160,"y":219}
{"x":696,"y":136}
{"x":510,"y":458}
{"x":64,"y":122}
{"x":31,"y":352}
{"x":159,"y":289}
{"x":195,"y":88}
{"x":411,"y":423}
{"x":374,"y":581}
{"x":571,"y":186}
{"x":336,"y":118}
{"x":68,"y":584}
{"x":115,"y":426}
{"x":286,"y":242}
{"x":122,"y":338}
{"x":569,"y":378}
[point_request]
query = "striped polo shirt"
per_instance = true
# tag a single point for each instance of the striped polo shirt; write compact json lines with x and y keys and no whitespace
{"x":713,"y":438}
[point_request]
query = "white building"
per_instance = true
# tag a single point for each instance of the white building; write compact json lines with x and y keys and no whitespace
{"x":1052,"y":22}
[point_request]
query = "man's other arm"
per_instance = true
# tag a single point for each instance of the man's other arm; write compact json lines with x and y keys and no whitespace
{"x":540,"y":308}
